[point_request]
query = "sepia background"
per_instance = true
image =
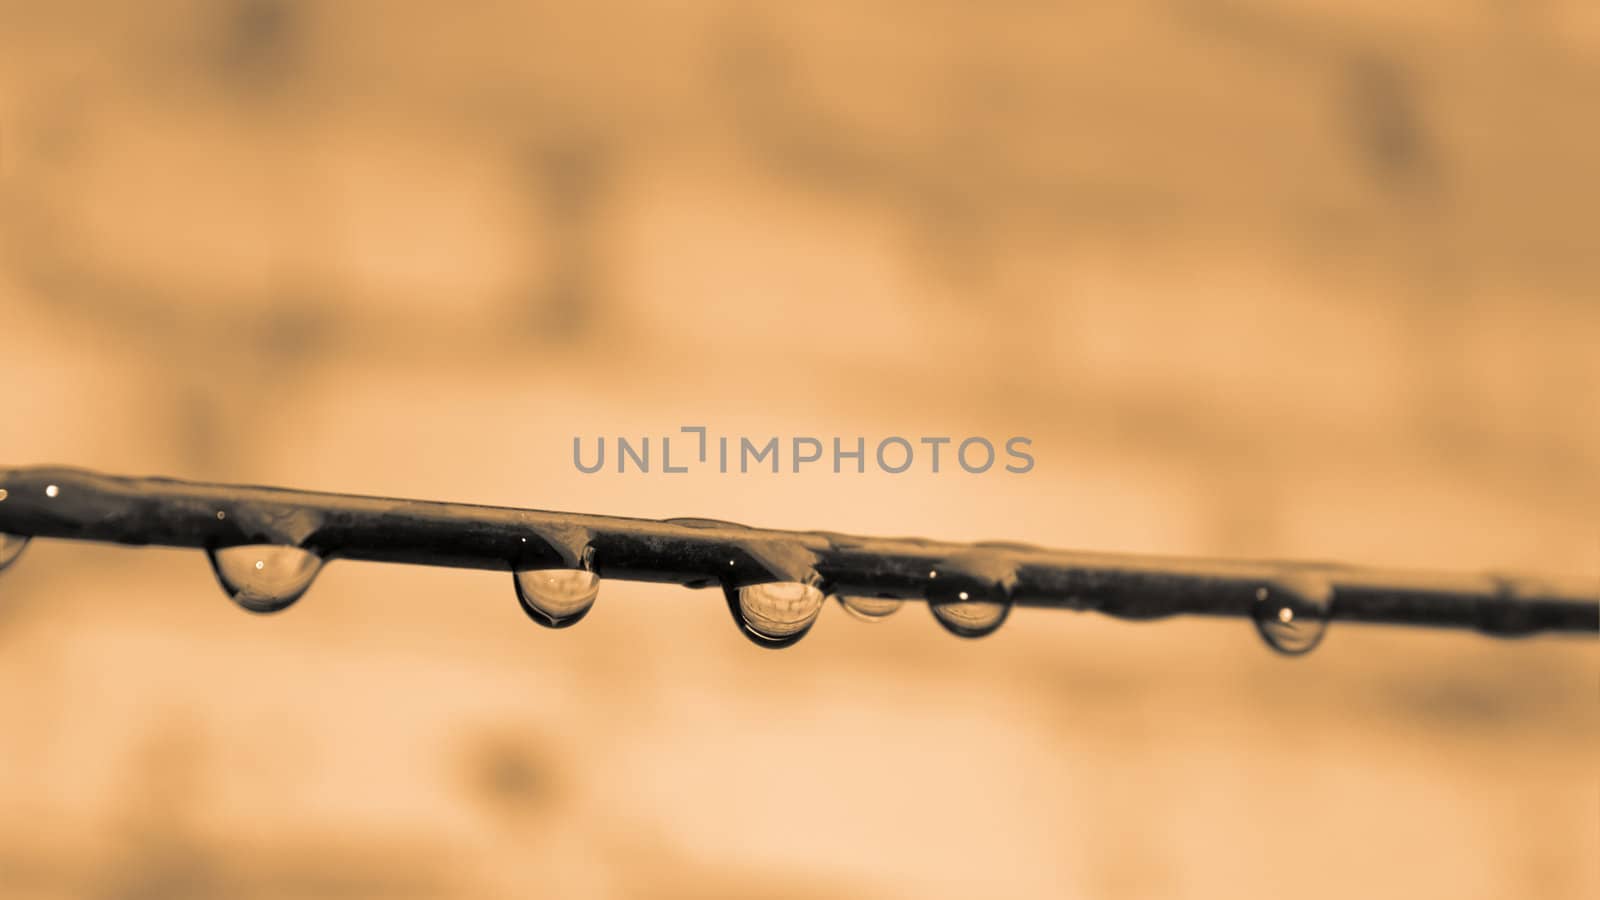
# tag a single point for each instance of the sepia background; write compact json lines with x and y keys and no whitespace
{"x":1307,"y":280}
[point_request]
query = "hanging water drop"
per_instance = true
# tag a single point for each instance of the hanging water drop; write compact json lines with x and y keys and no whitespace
{"x":265,"y":578}
{"x":776,"y":614}
{"x":869,"y":609}
{"x":11,"y":546}
{"x":556,"y":598}
{"x":1292,"y":613}
{"x":968,"y":607}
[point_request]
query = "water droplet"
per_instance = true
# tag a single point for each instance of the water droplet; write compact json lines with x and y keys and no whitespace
{"x":265,"y":578}
{"x":4,"y":493}
{"x":1010,"y":545}
{"x":52,"y":491}
{"x":693,"y":522}
{"x":1292,"y":613}
{"x":968,"y":607}
{"x":869,"y":609}
{"x":11,"y":546}
{"x":556,"y":598}
{"x":778,"y":613}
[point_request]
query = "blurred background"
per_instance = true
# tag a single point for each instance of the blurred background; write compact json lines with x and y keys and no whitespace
{"x":1309,"y":280}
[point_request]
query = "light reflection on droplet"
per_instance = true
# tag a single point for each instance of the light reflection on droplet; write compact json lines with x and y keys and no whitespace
{"x":869,"y":609}
{"x":4,"y":494}
{"x":11,"y":547}
{"x":51,"y":490}
{"x":265,"y":578}
{"x":778,"y":613}
{"x":557,"y":598}
{"x":1292,"y":613}
{"x":972,"y":611}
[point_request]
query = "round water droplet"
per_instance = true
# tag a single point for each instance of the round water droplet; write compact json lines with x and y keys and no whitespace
{"x":265,"y":578}
{"x":869,"y":609}
{"x":1292,"y":613}
{"x":967,"y":607}
{"x":11,"y":546}
{"x":556,"y":598}
{"x":778,"y":613}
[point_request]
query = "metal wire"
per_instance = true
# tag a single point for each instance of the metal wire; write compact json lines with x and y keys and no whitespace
{"x":82,"y":505}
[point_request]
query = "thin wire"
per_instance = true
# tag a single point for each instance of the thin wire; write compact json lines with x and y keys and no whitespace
{"x":81,"y":505}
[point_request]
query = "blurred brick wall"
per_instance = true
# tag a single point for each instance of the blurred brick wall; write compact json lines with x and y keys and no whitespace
{"x":1259,"y":279}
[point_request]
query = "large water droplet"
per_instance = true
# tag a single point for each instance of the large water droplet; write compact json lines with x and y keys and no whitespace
{"x":11,"y":546}
{"x":869,"y":609}
{"x":265,"y":578}
{"x":778,"y":613}
{"x":556,"y":598}
{"x":967,"y":607}
{"x":1292,"y":613}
